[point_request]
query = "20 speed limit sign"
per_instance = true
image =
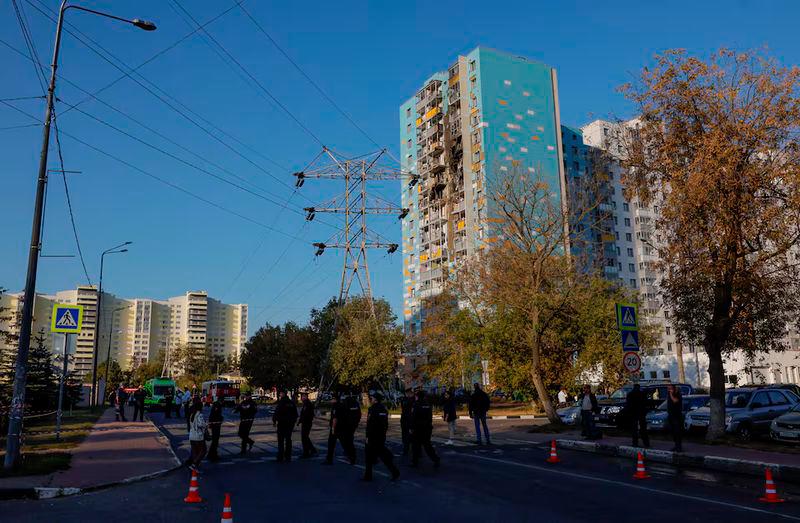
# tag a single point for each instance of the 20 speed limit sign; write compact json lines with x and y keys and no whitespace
{"x":632,"y":362}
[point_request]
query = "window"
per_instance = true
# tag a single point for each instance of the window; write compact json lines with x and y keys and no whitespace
{"x":653,"y":374}
{"x":665,"y":374}
{"x":408,"y":112}
{"x":472,"y":66}
{"x":667,"y":330}
{"x":633,"y":283}
{"x":762,"y":398}
{"x":618,"y":253}
{"x":616,"y":220}
{"x":669,"y":347}
{"x":626,"y":207}
{"x":408,"y":128}
{"x":632,"y":267}
{"x":630,"y":252}
{"x":776,"y":398}
{"x":627,"y":222}
{"x":628,"y":237}
{"x":408,"y":143}
{"x":605,"y":133}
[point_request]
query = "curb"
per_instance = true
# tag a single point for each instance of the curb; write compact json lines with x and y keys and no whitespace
{"x":518,"y":416}
{"x":790,"y":473}
{"x":59,"y":492}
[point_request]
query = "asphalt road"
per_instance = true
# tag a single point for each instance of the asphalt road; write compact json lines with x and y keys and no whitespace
{"x":508,"y":481}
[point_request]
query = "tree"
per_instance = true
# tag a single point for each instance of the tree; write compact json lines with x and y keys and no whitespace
{"x":41,"y":387}
{"x":285,"y":357}
{"x":716,"y":149}
{"x":367,"y":346}
{"x":452,"y":339}
{"x":196,"y":364}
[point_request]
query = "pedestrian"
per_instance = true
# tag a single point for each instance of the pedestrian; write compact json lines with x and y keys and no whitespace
{"x":122,"y":397}
{"x":406,"y":406}
{"x":588,"y":403}
{"x":187,"y":406}
{"x":478,"y":407}
{"x":449,"y":415}
{"x":562,"y":397}
{"x":178,"y":401}
{"x":675,"y":416}
{"x":636,"y":411}
{"x":338,"y":430}
{"x":421,"y":430}
{"x":247,"y":414}
{"x":306,"y":421}
{"x":353,"y":420}
{"x":197,"y":434}
{"x":138,"y":403}
{"x":215,"y":420}
{"x":284,"y":418}
{"x":168,"y":403}
{"x":377,"y":425}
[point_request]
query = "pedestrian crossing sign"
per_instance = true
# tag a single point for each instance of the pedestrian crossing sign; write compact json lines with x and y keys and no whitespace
{"x":630,"y":341}
{"x":627,"y":317}
{"x":66,"y":318}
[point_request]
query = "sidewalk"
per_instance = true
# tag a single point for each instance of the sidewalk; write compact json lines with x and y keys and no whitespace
{"x":113,"y":452}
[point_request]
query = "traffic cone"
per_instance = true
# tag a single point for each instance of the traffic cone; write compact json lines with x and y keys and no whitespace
{"x":553,"y":455}
{"x":771,"y":495}
{"x":194,"y":490}
{"x":227,"y":513}
{"x":641,"y":473}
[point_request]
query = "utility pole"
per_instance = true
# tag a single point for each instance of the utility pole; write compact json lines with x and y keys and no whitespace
{"x":21,"y":369}
{"x":355,"y":204}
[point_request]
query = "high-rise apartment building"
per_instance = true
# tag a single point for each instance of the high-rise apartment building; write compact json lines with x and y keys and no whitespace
{"x":136,"y":330}
{"x":488,"y":113}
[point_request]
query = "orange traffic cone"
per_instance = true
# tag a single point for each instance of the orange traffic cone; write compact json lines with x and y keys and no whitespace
{"x":194,"y":490}
{"x":227,"y":513}
{"x":553,"y":456}
{"x":641,"y":473}
{"x":771,"y":495}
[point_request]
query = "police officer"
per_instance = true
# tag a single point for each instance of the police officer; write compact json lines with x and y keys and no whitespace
{"x":406,"y":405}
{"x":138,"y":403}
{"x":284,"y":418}
{"x":338,"y":429}
{"x":353,"y":420}
{"x":247,"y":410}
{"x":422,"y":427}
{"x":377,"y":425}
{"x":306,"y":421}
{"x":168,"y":404}
{"x":215,"y":424}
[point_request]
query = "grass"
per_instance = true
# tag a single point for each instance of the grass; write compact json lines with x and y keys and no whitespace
{"x":39,"y":464}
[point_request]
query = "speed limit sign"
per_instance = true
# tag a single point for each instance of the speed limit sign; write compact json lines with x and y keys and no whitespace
{"x":632,"y":362}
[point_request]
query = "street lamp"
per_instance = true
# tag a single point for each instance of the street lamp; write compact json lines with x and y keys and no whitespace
{"x":108,"y":351}
{"x":112,"y":250}
{"x":21,"y":369}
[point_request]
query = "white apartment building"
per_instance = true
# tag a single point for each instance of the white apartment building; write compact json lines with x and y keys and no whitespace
{"x":135,"y":330}
{"x":634,"y":229}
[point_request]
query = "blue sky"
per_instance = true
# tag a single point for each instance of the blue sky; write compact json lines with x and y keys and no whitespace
{"x":367,"y":56}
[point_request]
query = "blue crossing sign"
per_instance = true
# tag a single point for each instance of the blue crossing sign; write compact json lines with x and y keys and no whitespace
{"x":630,"y":341}
{"x":627,"y":317}
{"x":67,"y":318}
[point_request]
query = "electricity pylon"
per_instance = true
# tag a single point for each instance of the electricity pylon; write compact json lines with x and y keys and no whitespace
{"x":355,"y":203}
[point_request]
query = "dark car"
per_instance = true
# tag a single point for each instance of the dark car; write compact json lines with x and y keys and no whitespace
{"x":787,"y":426}
{"x":612,"y":409}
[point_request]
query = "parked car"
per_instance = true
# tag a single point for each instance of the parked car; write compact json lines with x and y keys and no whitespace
{"x":748,"y":410}
{"x":786,"y":427}
{"x":611,"y":409}
{"x":571,"y":414}
{"x":657,"y":420}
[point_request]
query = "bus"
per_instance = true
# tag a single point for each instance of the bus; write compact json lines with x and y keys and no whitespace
{"x":156,"y":389}
{"x":227,"y":391}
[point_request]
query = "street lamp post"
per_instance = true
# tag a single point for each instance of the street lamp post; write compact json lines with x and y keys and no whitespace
{"x":112,"y":250}
{"x":21,"y":368}
{"x":108,"y":351}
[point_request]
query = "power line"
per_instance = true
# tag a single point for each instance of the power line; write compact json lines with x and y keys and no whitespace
{"x":162,"y":180}
{"x":10,"y":127}
{"x":254,"y":79}
{"x":22,"y":22}
{"x":69,"y":200}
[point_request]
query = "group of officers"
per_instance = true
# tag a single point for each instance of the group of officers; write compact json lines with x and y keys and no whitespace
{"x":416,"y":423}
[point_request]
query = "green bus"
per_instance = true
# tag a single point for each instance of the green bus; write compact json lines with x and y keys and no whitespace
{"x":156,"y":389}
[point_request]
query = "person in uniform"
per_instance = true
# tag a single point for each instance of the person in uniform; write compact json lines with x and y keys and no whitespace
{"x":422,"y":428}
{"x":138,"y":403}
{"x":377,"y":425}
{"x":215,"y":423}
{"x":353,"y":420}
{"x":247,"y":412}
{"x":306,"y":420}
{"x":406,"y":406}
{"x":168,"y":404}
{"x":338,"y":429}
{"x":284,"y":418}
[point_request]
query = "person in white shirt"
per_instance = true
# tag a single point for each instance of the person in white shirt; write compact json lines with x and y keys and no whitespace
{"x":197,"y":434}
{"x":562,"y":397}
{"x":589,"y":406}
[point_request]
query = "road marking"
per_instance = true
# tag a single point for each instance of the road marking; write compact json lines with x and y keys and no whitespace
{"x":380,"y":473}
{"x":633,"y":486}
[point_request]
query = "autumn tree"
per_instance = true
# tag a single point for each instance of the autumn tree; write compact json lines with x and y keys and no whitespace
{"x":285,"y":357}
{"x":367,"y":345}
{"x":716,"y":149}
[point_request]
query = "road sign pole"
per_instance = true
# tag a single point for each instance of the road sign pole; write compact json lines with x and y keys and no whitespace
{"x":61,"y":387}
